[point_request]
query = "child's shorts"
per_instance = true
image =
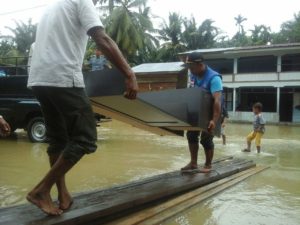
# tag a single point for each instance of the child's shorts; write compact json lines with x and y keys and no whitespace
{"x":255,"y":135}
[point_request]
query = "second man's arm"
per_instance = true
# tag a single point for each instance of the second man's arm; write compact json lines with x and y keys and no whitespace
{"x":114,"y":55}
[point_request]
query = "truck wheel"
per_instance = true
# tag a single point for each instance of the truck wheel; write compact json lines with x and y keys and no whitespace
{"x":36,"y":130}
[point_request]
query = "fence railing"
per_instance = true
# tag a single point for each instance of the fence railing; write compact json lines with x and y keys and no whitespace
{"x":13,"y":66}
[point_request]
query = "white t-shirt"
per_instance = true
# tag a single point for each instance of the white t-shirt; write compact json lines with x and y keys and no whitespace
{"x":61,"y":42}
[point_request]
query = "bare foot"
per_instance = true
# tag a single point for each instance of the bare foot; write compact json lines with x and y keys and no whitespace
{"x":65,"y":200}
{"x":44,"y":202}
{"x":190,"y":166}
{"x":205,"y":169}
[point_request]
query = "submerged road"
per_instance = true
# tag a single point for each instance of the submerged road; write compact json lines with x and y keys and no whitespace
{"x":127,"y":154}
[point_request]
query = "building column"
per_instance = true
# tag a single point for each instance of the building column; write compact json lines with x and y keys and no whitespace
{"x":235,"y":68}
{"x":234,"y":100}
{"x":278,"y":67}
{"x":278,"y":101}
{"x":279,"y":64}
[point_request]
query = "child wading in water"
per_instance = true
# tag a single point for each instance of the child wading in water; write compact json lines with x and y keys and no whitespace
{"x":258,"y":128}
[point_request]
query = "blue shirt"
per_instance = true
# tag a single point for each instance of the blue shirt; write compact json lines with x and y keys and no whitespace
{"x":215,"y":83}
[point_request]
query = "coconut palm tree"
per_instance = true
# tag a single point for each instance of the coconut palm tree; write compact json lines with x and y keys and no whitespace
{"x":171,"y":34}
{"x":260,"y":35}
{"x":239,"y":20}
{"x":110,"y":4}
{"x":130,"y":25}
{"x":203,"y":36}
{"x":23,"y":35}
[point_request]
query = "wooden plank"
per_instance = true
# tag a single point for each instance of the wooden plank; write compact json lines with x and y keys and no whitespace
{"x":167,"y":214}
{"x":99,"y":204}
{"x":165,"y":210}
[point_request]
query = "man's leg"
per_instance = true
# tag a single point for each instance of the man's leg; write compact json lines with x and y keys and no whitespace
{"x":223,"y":135}
{"x":193,"y":140}
{"x":208,"y":145}
{"x":64,"y":196}
{"x":57,"y":135}
{"x":40,"y":195}
{"x":224,"y":139}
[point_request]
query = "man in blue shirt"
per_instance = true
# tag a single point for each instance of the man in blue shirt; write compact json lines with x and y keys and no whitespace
{"x":98,"y":61}
{"x":209,"y":80}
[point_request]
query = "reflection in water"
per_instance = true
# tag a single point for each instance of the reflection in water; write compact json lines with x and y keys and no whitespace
{"x":125,"y":154}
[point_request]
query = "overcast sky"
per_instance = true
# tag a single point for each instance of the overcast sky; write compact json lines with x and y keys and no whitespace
{"x":271,"y":13}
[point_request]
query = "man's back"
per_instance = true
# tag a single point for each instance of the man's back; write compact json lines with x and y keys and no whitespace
{"x":60,"y":43}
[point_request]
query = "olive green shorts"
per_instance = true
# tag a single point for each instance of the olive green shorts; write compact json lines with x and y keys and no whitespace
{"x":70,"y":121}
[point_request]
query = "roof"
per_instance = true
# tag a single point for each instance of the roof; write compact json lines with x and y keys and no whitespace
{"x":169,"y":67}
{"x":275,"y":49}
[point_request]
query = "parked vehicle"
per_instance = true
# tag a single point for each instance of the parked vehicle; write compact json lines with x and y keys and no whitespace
{"x":19,"y":106}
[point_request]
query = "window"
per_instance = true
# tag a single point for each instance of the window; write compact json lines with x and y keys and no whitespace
{"x":246,"y":97}
{"x":228,"y":98}
{"x":290,"y":63}
{"x":258,"y":64}
{"x":223,"y":66}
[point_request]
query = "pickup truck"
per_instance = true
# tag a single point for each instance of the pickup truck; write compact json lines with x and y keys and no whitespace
{"x":21,"y":109}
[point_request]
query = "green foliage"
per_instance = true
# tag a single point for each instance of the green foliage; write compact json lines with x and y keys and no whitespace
{"x":290,"y":31}
{"x":23,"y":35}
{"x":260,"y":35}
{"x":129,"y":25}
{"x":171,"y":34}
{"x":6,"y":47}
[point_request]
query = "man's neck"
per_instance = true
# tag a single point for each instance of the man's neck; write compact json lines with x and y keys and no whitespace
{"x":201,"y":75}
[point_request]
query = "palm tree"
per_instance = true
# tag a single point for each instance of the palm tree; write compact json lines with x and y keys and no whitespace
{"x":203,"y":36}
{"x":129,"y":24}
{"x":260,"y":35}
{"x":208,"y":33}
{"x":111,"y":4}
{"x":23,"y":35}
{"x":239,"y":20}
{"x":171,"y":34}
{"x":240,"y":38}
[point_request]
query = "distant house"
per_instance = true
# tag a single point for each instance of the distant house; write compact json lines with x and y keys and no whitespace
{"x":161,"y":76}
{"x":269,"y":74}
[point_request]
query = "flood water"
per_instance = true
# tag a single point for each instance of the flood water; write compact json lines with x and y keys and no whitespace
{"x":126,"y":154}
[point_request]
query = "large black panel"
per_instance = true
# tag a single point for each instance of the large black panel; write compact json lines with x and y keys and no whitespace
{"x":177,"y":110}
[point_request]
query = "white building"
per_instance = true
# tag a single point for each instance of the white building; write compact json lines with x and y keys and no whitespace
{"x":268,"y":74}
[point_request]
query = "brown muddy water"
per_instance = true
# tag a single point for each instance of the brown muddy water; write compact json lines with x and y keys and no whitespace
{"x":125,"y":154}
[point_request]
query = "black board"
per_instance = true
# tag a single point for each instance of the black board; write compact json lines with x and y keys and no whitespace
{"x":174,"y":110}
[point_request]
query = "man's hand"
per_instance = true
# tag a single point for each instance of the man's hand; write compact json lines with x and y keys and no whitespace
{"x":4,"y":128}
{"x":131,"y":87}
{"x":114,"y":55}
{"x":211,"y":126}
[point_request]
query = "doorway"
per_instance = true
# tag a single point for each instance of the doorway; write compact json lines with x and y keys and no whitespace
{"x":286,"y":107}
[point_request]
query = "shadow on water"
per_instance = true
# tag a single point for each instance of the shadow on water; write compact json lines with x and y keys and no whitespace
{"x":125,"y":154}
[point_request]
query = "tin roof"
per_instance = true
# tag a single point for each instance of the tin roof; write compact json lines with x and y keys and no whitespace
{"x":169,"y":67}
{"x":261,"y":49}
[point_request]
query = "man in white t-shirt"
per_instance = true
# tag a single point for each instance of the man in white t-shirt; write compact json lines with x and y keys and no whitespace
{"x":56,"y":80}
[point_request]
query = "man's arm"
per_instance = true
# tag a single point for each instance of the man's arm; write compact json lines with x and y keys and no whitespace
{"x":4,"y":127}
{"x":216,"y":110}
{"x":114,"y":55}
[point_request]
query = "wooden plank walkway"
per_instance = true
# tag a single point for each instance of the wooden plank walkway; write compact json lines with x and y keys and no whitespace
{"x":100,"y":206}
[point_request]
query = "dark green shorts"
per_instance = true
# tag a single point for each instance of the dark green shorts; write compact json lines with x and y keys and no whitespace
{"x":70,"y":121}
{"x":206,"y":139}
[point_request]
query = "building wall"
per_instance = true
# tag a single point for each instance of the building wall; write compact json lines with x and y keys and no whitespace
{"x":248,"y":116}
{"x":157,"y":86}
{"x":157,"y":82}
